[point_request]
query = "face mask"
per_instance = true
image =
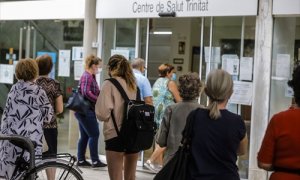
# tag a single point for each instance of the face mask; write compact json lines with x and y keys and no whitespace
{"x":173,"y":77}
{"x":98,"y":70}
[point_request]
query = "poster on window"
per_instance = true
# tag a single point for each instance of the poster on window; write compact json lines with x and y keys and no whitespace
{"x":242,"y":93}
{"x":230,"y":63}
{"x":246,"y":68}
{"x":6,"y":73}
{"x":123,"y":52}
{"x":78,"y":69}
{"x":64,"y":57}
{"x":53,"y":57}
{"x":215,"y":56}
{"x":77,"y":53}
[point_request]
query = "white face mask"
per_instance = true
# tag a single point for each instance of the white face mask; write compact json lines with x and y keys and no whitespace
{"x":97,"y":70}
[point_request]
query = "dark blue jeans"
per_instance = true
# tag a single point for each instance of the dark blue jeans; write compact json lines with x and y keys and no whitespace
{"x":89,"y":133}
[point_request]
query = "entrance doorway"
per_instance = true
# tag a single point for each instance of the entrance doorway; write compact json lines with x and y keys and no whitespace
{"x":190,"y":44}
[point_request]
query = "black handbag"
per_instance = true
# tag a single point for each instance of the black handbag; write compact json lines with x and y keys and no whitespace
{"x":177,"y":167}
{"x":78,"y":103}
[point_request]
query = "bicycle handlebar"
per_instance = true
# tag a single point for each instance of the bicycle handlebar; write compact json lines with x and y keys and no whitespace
{"x":25,"y":141}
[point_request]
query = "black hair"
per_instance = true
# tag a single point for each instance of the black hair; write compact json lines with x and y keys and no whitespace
{"x":295,"y":84}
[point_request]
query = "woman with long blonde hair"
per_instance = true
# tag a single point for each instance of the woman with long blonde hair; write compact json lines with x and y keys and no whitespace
{"x":111,"y":102}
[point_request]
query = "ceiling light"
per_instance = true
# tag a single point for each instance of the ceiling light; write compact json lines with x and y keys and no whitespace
{"x":162,"y":32}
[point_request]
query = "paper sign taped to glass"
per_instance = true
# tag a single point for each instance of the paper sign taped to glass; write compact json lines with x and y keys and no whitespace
{"x":242,"y":93}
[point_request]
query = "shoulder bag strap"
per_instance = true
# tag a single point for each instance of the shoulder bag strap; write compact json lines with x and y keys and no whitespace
{"x":188,"y":129}
{"x":138,"y":94}
{"x":125,"y":97}
{"x":119,"y":87}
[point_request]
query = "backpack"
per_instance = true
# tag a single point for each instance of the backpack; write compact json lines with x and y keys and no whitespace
{"x":138,"y":126}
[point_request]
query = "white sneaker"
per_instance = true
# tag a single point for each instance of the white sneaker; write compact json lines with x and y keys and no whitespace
{"x":149,"y":165}
{"x":158,"y":168}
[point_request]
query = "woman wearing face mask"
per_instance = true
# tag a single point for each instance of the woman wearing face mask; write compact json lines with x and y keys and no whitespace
{"x":88,"y":125}
{"x":165,"y":93}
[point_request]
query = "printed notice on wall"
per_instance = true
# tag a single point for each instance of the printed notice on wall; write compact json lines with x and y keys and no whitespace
{"x":242,"y":93}
{"x":215,"y":54}
{"x":78,"y":69}
{"x":64,"y":57}
{"x":77,"y":53}
{"x":230,"y":63}
{"x":283,"y":65}
{"x":246,"y":68}
{"x":6,"y":73}
{"x":123,"y":52}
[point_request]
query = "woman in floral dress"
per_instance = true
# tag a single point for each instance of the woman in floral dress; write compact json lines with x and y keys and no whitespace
{"x":165,"y":93}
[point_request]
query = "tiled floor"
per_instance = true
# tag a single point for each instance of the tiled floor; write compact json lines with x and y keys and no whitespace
{"x":102,"y":173}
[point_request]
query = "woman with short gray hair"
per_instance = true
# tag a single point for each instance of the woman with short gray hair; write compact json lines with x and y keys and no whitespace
{"x":174,"y":119}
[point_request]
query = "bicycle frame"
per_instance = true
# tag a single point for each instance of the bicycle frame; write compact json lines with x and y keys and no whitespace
{"x":64,"y":158}
{"x":61,"y":157}
{"x":25,"y":141}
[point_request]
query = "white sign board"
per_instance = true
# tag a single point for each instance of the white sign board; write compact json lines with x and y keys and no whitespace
{"x":78,"y":70}
{"x":284,"y":7}
{"x":215,"y":56}
{"x":242,"y":93}
{"x":6,"y":73}
{"x":77,"y":53}
{"x":122,"y":52}
{"x":230,"y":63}
{"x":182,"y":8}
{"x":47,"y":9}
{"x":283,"y":65}
{"x":246,"y":68}
{"x":64,"y":57}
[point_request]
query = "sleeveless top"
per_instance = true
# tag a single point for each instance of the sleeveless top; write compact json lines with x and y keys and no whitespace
{"x":162,"y":98}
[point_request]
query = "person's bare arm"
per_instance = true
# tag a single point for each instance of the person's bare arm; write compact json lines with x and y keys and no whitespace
{"x":148,"y":100}
{"x":243,"y":147}
{"x":59,"y":105}
{"x":267,"y":167}
{"x":174,"y":90}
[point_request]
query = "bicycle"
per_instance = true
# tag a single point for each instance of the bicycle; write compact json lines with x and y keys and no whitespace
{"x":63,"y":163}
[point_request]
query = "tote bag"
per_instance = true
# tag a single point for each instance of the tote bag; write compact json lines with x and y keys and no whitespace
{"x":78,"y":103}
{"x":176,"y":168}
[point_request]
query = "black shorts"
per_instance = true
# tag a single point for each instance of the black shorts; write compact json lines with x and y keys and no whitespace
{"x":51,"y":139}
{"x":116,"y":144}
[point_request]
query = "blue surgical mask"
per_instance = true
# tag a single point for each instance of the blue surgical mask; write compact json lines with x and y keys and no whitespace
{"x":173,"y":77}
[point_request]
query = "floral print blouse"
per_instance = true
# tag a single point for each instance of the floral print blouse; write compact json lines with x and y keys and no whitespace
{"x":162,"y":98}
{"x":27,"y":109}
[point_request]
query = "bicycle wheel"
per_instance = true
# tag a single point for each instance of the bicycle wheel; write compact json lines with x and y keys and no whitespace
{"x":62,"y":171}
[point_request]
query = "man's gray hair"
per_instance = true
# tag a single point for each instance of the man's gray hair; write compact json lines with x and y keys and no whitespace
{"x":137,"y":63}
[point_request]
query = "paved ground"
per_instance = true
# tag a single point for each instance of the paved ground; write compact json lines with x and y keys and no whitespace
{"x":102,"y":174}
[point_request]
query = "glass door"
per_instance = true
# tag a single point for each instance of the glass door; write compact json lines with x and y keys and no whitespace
{"x":189,"y":44}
